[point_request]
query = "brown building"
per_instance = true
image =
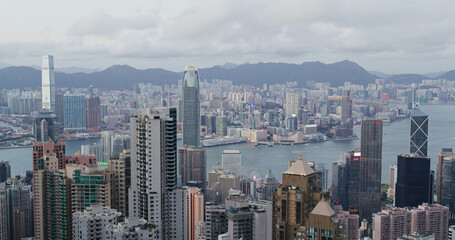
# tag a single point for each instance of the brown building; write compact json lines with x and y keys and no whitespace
{"x":448,"y":154}
{"x":295,"y":199}
{"x":93,"y":112}
{"x":120,"y":179}
{"x":323,"y":223}
{"x":192,"y":164}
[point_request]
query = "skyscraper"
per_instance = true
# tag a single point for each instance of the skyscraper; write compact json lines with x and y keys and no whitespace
{"x":300,"y":192}
{"x":154,"y":167}
{"x":195,"y":205}
{"x":346,"y":109}
{"x":419,"y":132}
{"x":446,"y":181}
{"x":192,"y":165}
{"x":412,"y":187}
{"x":48,"y":83}
{"x":231,"y":160}
{"x":45,"y":126}
{"x":120,"y":168}
{"x":52,"y":198}
{"x":93,"y":114}
{"x":75,"y":115}
{"x":5,"y":171}
{"x":191,"y":108}
{"x":106,"y":142}
{"x":370,"y":168}
{"x":292,"y":104}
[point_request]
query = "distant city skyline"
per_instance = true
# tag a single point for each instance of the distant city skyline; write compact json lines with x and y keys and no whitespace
{"x":171,"y":34}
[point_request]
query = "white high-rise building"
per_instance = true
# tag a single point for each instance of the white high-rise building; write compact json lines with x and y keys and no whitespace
{"x":48,"y":83}
{"x":231,"y":161}
{"x":153,"y":194}
{"x":292,"y":104}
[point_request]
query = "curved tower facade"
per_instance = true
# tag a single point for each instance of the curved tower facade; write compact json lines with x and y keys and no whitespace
{"x":48,"y":83}
{"x":191,"y":108}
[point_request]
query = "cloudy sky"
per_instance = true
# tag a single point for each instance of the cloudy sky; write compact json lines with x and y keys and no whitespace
{"x":389,"y":36}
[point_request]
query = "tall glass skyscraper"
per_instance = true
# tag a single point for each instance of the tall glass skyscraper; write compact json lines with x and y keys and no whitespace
{"x":48,"y":83}
{"x":74,"y":112}
{"x":370,"y":168}
{"x":191,"y":108}
{"x":419,"y":132}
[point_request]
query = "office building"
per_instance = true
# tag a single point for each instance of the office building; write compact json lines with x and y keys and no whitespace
{"x":221,"y":126}
{"x":346,"y":181}
{"x":16,"y":220}
{"x":239,"y":215}
{"x":74,"y":112}
{"x":346,"y":109}
{"x":107,"y":139}
{"x":292,"y":104}
{"x":446,"y":179}
{"x":293,"y":201}
{"x":3,"y":215}
{"x":446,"y":153}
{"x":191,"y":108}
{"x":5,"y":171}
{"x":120,"y":170}
{"x":192,"y":165}
{"x":413,"y":185}
{"x":195,"y":211}
{"x":339,"y":193}
{"x":322,"y":224}
{"x":45,"y":126}
{"x":419,"y":132}
{"x":393,"y":170}
{"x":216,"y":222}
{"x":59,"y":107}
{"x":269,"y":184}
{"x":231,"y":161}
{"x":154,"y":170}
{"x":98,"y":222}
{"x":93,"y":110}
{"x":48,"y":83}
{"x":370,"y":168}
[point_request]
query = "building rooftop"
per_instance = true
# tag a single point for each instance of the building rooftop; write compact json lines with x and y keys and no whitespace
{"x":190,"y":68}
{"x":231,"y":151}
{"x":323,"y":208}
{"x":416,"y":112}
{"x":300,"y":167}
{"x":269,"y":174}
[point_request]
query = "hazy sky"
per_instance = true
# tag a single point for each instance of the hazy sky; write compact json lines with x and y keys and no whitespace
{"x":388,"y":36}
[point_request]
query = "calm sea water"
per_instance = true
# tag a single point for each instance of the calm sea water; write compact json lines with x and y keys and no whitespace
{"x":257,"y":160}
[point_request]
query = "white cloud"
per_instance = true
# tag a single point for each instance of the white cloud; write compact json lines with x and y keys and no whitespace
{"x":169,"y":34}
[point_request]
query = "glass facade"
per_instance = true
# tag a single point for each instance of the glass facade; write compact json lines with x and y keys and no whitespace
{"x":448,"y":183}
{"x":191,"y":108}
{"x":419,"y":133}
{"x":48,"y":83}
{"x":74,"y":112}
{"x":370,"y":168}
{"x":413,"y":180}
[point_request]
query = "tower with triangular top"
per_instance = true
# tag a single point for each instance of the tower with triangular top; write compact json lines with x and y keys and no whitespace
{"x":293,"y":201}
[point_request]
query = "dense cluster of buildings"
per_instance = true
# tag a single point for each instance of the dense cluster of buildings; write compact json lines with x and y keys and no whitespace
{"x":137,"y":184}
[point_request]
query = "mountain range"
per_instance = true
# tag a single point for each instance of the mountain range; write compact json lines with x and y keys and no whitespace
{"x":125,"y":77}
